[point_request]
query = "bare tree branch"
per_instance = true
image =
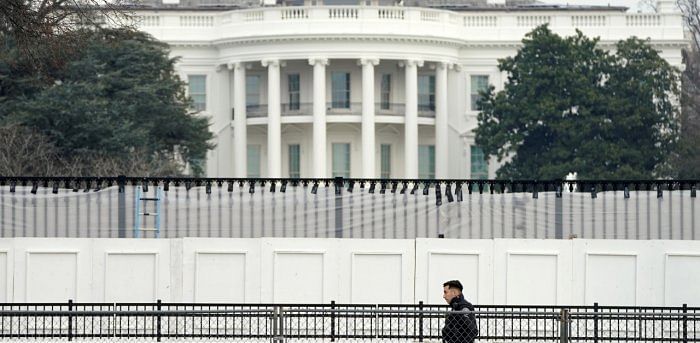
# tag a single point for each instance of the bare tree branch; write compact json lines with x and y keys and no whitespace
{"x":32,"y":23}
{"x":25,"y":152}
{"x":688,"y":159}
{"x":645,"y":5}
{"x":691,"y":16}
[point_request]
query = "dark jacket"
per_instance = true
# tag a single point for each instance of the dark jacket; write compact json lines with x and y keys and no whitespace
{"x":460,"y":327}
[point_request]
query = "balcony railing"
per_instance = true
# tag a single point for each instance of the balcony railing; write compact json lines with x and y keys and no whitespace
{"x":298,"y":109}
{"x":407,"y":14}
{"x":340,"y":108}
{"x":256,"y":111}
{"x":389,"y":109}
{"x":426,"y":111}
{"x":504,"y":26}
{"x":344,"y":107}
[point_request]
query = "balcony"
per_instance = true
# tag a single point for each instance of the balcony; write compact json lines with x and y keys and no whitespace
{"x":389,"y":109}
{"x":463,"y":27}
{"x":343,"y":108}
{"x":256,"y":111}
{"x":346,"y":108}
{"x":426,"y":111}
{"x":298,"y":109}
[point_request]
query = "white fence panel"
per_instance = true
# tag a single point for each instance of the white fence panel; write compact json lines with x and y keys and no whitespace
{"x":622,"y":273}
{"x":321,"y":270}
{"x":374,"y":271}
{"x":52,"y":269}
{"x":532,"y":272}
{"x":440,"y":260}
{"x":221,"y":270}
{"x":131,"y":270}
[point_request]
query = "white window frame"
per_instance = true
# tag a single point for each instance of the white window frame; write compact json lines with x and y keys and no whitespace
{"x":249,"y":91}
{"x":347,"y":92}
{"x":474,"y":94}
{"x":197,"y":106}
{"x":259,"y":150}
{"x":289,"y":160}
{"x":384,"y":174}
{"x":343,"y":173}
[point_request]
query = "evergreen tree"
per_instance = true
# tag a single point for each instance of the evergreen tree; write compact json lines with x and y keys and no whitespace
{"x":570,"y":106}
{"x":116,"y":96}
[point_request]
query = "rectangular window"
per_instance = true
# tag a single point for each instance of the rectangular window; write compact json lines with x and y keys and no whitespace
{"x":426,"y":161}
{"x":198,"y":91}
{"x":426,"y":93}
{"x":340,"y":88}
{"x":385,"y":159}
{"x":253,"y":160}
{"x":341,"y":159}
{"x":252,"y":92}
{"x":294,"y":95}
{"x":294,"y":161}
{"x":479,"y":83}
{"x":385,"y":96}
{"x":479,"y":166}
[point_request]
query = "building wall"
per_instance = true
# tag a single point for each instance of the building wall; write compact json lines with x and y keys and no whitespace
{"x":208,"y":42}
{"x":285,"y":270}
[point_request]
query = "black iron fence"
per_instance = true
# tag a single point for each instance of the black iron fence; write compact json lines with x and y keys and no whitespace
{"x":339,"y":322}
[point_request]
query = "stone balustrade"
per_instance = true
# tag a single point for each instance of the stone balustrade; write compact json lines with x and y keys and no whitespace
{"x":482,"y":26}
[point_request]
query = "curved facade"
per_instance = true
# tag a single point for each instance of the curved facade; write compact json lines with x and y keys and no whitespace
{"x":363,"y":91}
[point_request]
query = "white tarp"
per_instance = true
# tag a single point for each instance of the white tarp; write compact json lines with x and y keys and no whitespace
{"x":357,"y":214}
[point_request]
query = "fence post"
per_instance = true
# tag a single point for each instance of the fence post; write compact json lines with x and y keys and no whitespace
{"x":274,"y":324}
{"x":121,"y":216}
{"x":277,"y":325}
{"x":158,"y":317}
{"x":595,"y":323}
{"x":685,"y":323}
{"x":559,"y":213}
{"x":376,"y":321}
{"x":564,"y":326}
{"x":420,"y":321}
{"x":281,"y":325}
{"x":70,"y":320}
{"x":113,"y":307}
{"x":338,"y":207}
{"x":332,"y":321}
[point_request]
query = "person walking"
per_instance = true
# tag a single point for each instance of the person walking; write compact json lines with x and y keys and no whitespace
{"x":460,"y":327}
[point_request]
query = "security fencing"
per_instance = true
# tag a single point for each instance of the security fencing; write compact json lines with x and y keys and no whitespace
{"x":338,"y":322}
{"x":111,"y":207}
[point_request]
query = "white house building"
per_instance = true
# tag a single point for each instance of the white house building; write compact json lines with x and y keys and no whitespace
{"x":363,"y":89}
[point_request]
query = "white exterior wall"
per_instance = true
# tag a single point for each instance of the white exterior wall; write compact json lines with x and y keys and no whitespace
{"x":501,"y":271}
{"x":470,"y":42}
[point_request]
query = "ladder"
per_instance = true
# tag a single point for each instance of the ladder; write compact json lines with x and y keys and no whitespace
{"x":141,"y":211}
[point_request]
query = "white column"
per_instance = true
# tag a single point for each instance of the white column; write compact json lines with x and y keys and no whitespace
{"x":411,"y":120}
{"x":319,"y":112}
{"x":274,"y":125}
{"x":368,"y":135}
{"x":240,"y":126}
{"x":221,"y":161}
{"x":441,"y":157}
